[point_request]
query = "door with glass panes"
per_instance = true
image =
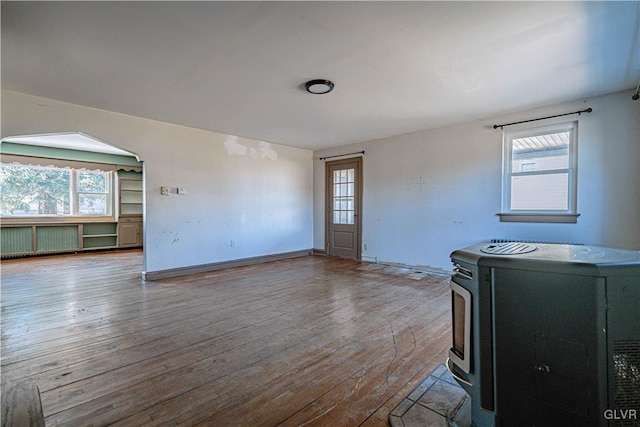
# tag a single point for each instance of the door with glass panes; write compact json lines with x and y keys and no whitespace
{"x":344,"y":194}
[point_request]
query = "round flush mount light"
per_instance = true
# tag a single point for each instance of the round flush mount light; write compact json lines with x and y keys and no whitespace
{"x":319,"y":86}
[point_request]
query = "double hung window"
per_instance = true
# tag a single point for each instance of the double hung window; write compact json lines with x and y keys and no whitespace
{"x":539,"y":174}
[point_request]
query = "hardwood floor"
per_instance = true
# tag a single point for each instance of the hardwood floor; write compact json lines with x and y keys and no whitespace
{"x":307,"y":341}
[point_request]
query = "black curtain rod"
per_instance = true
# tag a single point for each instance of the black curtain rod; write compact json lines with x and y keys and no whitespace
{"x":588,"y":110}
{"x":340,"y":155}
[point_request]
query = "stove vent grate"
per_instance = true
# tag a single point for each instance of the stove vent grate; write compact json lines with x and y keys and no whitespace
{"x":532,"y":241}
{"x":512,"y":248}
{"x":626,"y":363}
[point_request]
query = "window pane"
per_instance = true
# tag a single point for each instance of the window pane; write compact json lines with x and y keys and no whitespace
{"x":336,"y":217}
{"x":92,"y":204}
{"x":350,"y":175}
{"x":92,"y":182}
{"x":540,"y":192}
{"x":541,"y":153}
{"x":350,"y":217}
{"x":336,"y":190}
{"x":34,"y":191}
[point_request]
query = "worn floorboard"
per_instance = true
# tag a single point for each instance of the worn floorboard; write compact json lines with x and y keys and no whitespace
{"x":306,"y":341}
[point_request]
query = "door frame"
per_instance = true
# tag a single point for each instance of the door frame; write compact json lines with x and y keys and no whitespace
{"x":358,"y":203}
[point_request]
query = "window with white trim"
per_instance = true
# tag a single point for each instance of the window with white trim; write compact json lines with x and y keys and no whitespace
{"x":539,"y":174}
{"x":37,"y":191}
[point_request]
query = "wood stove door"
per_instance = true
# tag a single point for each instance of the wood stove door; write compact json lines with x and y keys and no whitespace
{"x":547,"y":328}
{"x":561,"y":373}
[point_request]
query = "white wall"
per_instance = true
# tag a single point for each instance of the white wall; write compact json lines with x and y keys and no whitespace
{"x":252,"y":192}
{"x":428,"y":193}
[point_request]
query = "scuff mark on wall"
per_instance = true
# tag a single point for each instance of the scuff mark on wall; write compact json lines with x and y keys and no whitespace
{"x":234,"y":148}
{"x":170,"y":236}
{"x":421,"y":184}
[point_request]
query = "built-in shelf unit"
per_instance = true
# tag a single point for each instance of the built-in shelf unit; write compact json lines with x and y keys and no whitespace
{"x":130,"y":186}
{"x":99,"y":235}
{"x":130,"y":203}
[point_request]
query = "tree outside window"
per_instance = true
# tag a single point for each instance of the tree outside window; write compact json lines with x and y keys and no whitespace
{"x":47,"y":191}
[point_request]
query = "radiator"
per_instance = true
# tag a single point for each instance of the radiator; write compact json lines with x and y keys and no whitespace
{"x":56,"y":238}
{"x":18,"y":241}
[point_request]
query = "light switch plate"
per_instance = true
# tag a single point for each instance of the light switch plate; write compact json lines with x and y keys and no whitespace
{"x":182,"y":190}
{"x":165,"y":191}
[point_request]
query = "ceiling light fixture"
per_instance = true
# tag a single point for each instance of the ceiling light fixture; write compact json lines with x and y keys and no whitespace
{"x":319,"y":86}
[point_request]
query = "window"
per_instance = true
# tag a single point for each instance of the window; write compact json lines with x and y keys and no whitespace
{"x":539,"y":178}
{"x":93,"y":193}
{"x":35,"y":191}
{"x":343,"y":196}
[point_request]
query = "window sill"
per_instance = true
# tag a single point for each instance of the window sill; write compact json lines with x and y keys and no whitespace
{"x":46,"y":220}
{"x":539,"y":217}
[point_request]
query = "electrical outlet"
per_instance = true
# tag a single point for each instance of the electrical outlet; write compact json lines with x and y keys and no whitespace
{"x":365,"y":246}
{"x":165,"y":191}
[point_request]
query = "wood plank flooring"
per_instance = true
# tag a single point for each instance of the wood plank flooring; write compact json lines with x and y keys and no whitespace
{"x":308,"y":341}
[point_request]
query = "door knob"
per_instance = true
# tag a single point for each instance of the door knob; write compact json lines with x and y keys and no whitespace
{"x":543,"y":369}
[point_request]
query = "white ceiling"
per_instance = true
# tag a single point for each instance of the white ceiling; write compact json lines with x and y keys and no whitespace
{"x":239,"y":67}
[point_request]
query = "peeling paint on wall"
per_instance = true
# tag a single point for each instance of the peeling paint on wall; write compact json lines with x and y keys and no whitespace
{"x":267,"y":151}
{"x":264,"y":150}
{"x":234,"y":148}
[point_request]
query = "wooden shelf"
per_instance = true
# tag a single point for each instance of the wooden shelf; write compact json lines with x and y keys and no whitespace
{"x":130,"y":192}
{"x":131,"y":184}
{"x":100,"y":235}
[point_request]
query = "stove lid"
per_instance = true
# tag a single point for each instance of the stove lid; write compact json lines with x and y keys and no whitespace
{"x":560,"y":258}
{"x":509,"y":248}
